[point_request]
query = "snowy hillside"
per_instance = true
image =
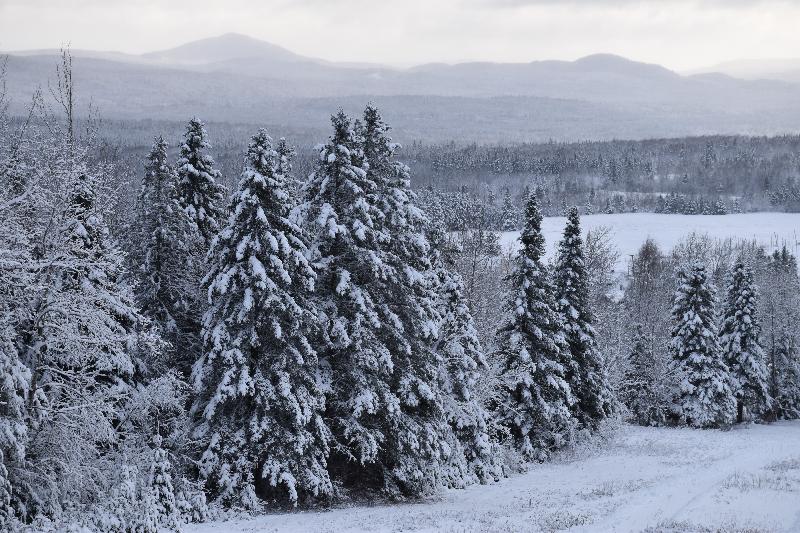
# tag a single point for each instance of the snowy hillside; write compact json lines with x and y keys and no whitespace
{"x":644,"y":479}
{"x":630,"y":230}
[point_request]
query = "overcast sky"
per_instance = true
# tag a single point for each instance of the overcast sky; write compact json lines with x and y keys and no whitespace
{"x":680,"y":34}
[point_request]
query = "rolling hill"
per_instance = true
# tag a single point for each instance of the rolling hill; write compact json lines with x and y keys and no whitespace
{"x":239,"y":79}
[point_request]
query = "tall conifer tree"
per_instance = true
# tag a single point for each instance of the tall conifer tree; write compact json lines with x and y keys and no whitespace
{"x":407,"y":301}
{"x":704,"y":396}
{"x":741,"y":343}
{"x":537,"y":407}
{"x":164,"y":261}
{"x":641,"y":387}
{"x":199,"y":192}
{"x":585,"y":368}
{"x":258,"y":384}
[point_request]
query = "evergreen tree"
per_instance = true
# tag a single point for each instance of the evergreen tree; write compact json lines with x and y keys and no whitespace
{"x":160,"y":485}
{"x":585,"y":368}
{"x":14,"y":386}
{"x":408,"y":307}
{"x":537,"y":406}
{"x":199,"y":192}
{"x":286,"y":154}
{"x":786,"y":379}
{"x":16,"y":288}
{"x":508,"y":219}
{"x":164,"y":260}
{"x":345,"y":243}
{"x":378,"y":314}
{"x":704,"y":397}
{"x":258,"y":384}
{"x":462,"y":354}
{"x":741,"y":343}
{"x":640,"y":385}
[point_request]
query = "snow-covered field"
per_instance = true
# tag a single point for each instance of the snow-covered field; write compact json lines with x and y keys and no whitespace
{"x":640,"y":479}
{"x":630,"y":230}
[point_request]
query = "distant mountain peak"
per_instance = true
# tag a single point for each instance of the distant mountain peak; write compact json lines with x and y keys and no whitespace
{"x":616,"y":63}
{"x":225,"y":47}
{"x":603,"y":58}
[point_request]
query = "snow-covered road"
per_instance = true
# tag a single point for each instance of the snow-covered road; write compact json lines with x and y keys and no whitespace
{"x":642,"y":479}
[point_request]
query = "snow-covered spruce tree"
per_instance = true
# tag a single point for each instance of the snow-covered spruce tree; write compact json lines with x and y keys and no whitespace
{"x":408,"y":305}
{"x":509,"y":219}
{"x":160,"y":485}
{"x":14,"y":386}
{"x":462,"y":360}
{"x":345,"y":244}
{"x":16,"y":286}
{"x":380,"y":400}
{"x":786,"y":378}
{"x":286,"y":153}
{"x":257,"y":384}
{"x":164,"y":260}
{"x":585,"y":368}
{"x":641,"y":385}
{"x":199,"y":192}
{"x":741,"y":343}
{"x":538,"y":400}
{"x":704,"y":396}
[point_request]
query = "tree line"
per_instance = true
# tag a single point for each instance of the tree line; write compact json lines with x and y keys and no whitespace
{"x":718,"y":360}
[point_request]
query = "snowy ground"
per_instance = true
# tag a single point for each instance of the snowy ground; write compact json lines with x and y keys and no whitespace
{"x":631,"y":229}
{"x":641,"y":479}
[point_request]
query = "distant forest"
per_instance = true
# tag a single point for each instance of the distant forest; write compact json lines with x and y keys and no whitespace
{"x":691,"y":175}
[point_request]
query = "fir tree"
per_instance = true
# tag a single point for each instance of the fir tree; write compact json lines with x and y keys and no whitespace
{"x":14,"y":386}
{"x":16,"y":288}
{"x":160,"y":485}
{"x":199,"y":192}
{"x":585,"y":368}
{"x":462,"y":358}
{"x":164,"y":262}
{"x":286,"y":154}
{"x":705,"y":397}
{"x":345,"y":243}
{"x":537,"y":407}
{"x":257,"y":385}
{"x":407,"y":303}
{"x":786,"y":379}
{"x":741,"y":343}
{"x":640,"y":385}
{"x":378,"y":314}
{"x":508,"y":218}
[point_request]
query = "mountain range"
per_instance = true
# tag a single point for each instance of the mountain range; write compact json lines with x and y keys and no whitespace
{"x":238,"y":79}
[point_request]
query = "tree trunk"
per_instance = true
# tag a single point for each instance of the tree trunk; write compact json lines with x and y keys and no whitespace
{"x":739,"y":412}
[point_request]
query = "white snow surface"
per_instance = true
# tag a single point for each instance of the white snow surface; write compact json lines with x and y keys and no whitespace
{"x":630,"y":230}
{"x":636,"y":479}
